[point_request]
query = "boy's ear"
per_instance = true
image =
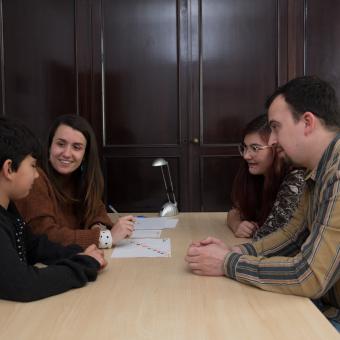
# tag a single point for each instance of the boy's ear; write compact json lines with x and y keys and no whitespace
{"x":7,"y":169}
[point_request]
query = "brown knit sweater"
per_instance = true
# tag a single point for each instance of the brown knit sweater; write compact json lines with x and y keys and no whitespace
{"x":47,"y":215}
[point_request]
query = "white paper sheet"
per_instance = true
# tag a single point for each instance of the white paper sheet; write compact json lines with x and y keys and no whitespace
{"x":155,"y":223}
{"x":144,"y":247}
{"x":145,"y":233}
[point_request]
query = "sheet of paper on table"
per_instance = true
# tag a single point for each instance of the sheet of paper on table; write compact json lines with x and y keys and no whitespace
{"x":155,"y":223}
{"x":145,"y":233}
{"x":144,"y":247}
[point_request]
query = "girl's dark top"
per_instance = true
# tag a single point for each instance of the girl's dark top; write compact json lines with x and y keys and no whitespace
{"x":20,"y":249}
{"x":285,"y":204}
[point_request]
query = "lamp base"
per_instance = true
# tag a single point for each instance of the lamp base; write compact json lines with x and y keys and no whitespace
{"x":169,"y":209}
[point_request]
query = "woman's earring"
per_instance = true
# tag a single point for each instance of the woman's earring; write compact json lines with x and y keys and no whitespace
{"x":82,"y":167}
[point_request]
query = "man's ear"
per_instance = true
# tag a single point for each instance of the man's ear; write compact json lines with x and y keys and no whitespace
{"x":7,"y":169}
{"x":309,"y":120}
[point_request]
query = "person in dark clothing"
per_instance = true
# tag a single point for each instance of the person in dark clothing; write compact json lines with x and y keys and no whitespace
{"x":67,"y":267}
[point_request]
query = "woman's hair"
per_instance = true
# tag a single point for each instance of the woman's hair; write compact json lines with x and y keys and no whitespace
{"x":254,"y":195}
{"x":88,"y":177}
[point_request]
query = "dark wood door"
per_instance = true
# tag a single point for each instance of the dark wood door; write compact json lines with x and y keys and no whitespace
{"x":239,"y":63}
{"x":321,"y":40}
{"x":180,"y":81}
{"x":144,"y":101}
{"x":174,"y":78}
{"x":38,"y":69}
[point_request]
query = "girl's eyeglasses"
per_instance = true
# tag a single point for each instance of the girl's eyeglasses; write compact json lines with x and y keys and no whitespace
{"x":253,"y":148}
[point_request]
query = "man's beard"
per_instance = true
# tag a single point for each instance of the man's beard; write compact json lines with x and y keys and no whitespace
{"x":289,"y":161}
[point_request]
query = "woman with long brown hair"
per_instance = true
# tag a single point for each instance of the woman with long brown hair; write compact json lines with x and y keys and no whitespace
{"x":266,"y":189}
{"x":66,"y":200}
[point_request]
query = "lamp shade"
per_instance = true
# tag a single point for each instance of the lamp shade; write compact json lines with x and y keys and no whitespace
{"x":169,"y":208}
{"x":159,"y":162}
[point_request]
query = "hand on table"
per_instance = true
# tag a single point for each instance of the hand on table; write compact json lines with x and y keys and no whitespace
{"x":210,"y":240}
{"x":206,"y":257}
{"x":97,"y":254}
{"x":246,"y":229}
{"x":123,"y":228}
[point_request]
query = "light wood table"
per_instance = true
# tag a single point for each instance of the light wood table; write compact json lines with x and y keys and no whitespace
{"x":158,"y":298}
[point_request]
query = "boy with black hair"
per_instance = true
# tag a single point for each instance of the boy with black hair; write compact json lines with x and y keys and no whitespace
{"x":68,"y":267}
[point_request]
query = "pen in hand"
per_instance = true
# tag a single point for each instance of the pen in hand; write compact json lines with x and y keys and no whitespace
{"x":113,"y":210}
{"x":128,"y":218}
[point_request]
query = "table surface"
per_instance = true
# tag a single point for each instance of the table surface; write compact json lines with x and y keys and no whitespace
{"x":158,"y":298}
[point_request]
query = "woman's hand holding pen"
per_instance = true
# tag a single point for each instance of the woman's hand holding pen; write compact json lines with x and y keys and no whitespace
{"x":123,"y":228}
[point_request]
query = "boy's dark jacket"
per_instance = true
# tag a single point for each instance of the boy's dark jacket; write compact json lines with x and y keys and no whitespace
{"x":20,"y":249}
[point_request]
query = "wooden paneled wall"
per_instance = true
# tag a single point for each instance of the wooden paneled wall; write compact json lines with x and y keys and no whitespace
{"x":174,"y":78}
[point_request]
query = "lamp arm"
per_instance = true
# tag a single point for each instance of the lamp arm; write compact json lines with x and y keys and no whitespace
{"x":166,"y":187}
{"x":172,"y":187}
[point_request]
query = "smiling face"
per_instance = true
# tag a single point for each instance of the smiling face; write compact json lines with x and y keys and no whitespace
{"x":259,"y":162}
{"x":67,"y":150}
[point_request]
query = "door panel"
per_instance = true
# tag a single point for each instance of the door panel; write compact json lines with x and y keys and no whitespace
{"x":176,"y":79}
{"x":140,"y":68}
{"x":239,"y":65}
{"x":322,"y":51}
{"x":39,"y":61}
{"x":241,"y":54}
{"x":142,"y":113}
{"x":217,"y":172}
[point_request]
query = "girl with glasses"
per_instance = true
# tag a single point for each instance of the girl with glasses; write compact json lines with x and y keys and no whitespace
{"x":266,"y":189}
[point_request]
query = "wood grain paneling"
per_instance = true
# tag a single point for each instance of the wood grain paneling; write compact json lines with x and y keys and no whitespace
{"x":144,"y":115}
{"x":242,"y":57}
{"x":177,"y":79}
{"x":141,"y":72}
{"x":39,"y":60}
{"x":239,"y":64}
{"x":218,"y":173}
{"x":322,"y":45}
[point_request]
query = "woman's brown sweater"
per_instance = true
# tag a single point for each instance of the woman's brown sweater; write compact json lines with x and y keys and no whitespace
{"x":46,"y":215}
